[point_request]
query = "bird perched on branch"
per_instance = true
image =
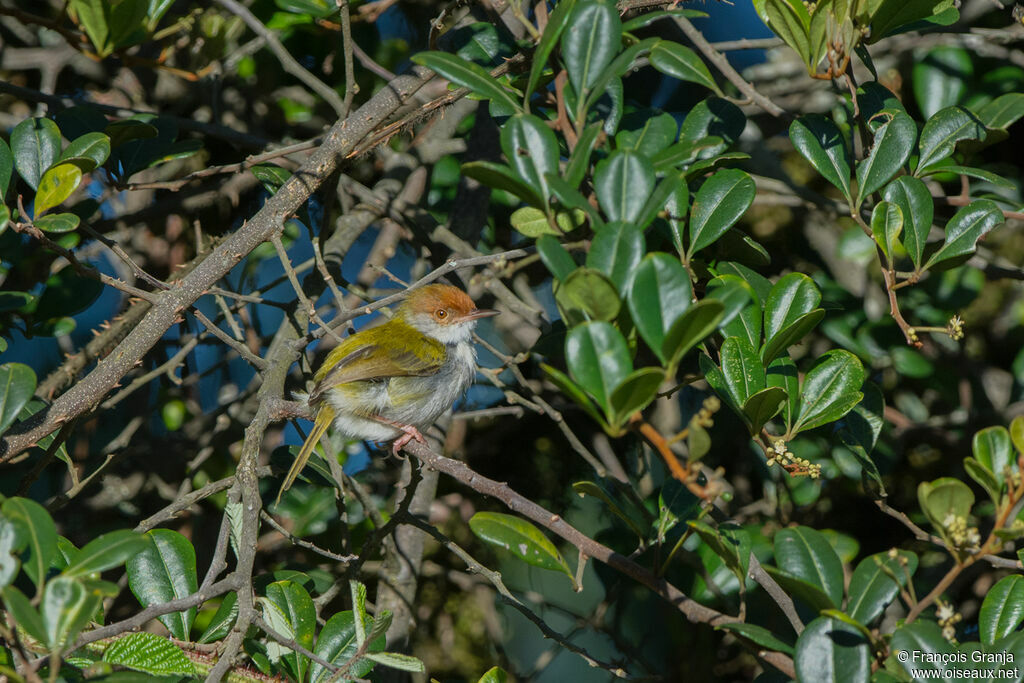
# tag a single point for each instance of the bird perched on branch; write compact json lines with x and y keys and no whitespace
{"x":390,"y":381}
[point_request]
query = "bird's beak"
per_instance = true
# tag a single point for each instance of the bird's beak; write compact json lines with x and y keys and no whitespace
{"x":478,"y":313}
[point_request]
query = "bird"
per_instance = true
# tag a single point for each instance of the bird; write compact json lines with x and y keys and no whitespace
{"x":389,"y":382}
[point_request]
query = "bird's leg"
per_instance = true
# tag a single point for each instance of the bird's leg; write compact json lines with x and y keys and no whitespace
{"x":409,"y":433}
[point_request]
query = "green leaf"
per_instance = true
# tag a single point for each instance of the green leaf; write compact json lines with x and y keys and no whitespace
{"x":609,"y":81}
{"x":928,"y":652}
{"x":668,"y":190}
{"x":713,"y":117}
{"x":821,"y":142}
{"x":468,"y":75}
{"x":127,"y":130}
{"x":683,"y":63}
{"x":998,"y":114}
{"x":6,"y":169}
{"x":494,"y":675}
{"x":655,"y":133}
{"x":570,"y":198}
{"x":587,"y":294}
{"x":17,"y":384}
{"x":57,"y":223}
{"x":25,"y":615}
{"x":805,"y":553}
{"x":644,"y":20}
{"x":519,"y":537}
{"x":985,"y":478}
{"x":616,"y":250}
{"x":676,"y":207}
{"x":993,"y":450}
{"x":801,"y":589}
{"x":149,"y":653}
{"x":555,"y":257}
{"x":39,"y":532}
{"x":557,"y":21}
{"x":758,"y":635}
{"x":782,"y":373}
{"x":894,"y":140}
{"x":634,"y":393}
{"x":741,"y":369}
{"x":35,"y":143}
{"x":106,"y":551}
{"x":533,"y":222}
{"x":502,"y":177}
{"x":579,"y":161}
{"x":859,"y":430}
{"x":791,"y":334}
{"x":589,"y":488}
{"x":965,"y":228}
{"x":915,"y":203}
{"x":165,"y":570}
{"x":222,"y":621}
{"x":940,"y":78}
{"x":699,"y":321}
{"x":66,"y":608}
{"x":763,"y":406}
{"x":1017,"y":433}
{"x":289,"y":610}
{"x":970,"y":172}
{"x":792,"y":297}
{"x":730,"y":542}
{"x":56,"y":185}
{"x":875,"y":583}
{"x":590,"y":42}
{"x":886,"y":226}
{"x":337,"y":644}
{"x":598,"y":359}
{"x":531,"y":149}
{"x":12,"y":540}
{"x":623,"y":182}
{"x":831,"y":650}
{"x":574,"y":392}
{"x":658,"y":294}
{"x":719,"y":203}
{"x":943,"y":131}
{"x":943,"y":499}
{"x":830,"y":390}
{"x":734,"y":293}
{"x":791,"y":22}
{"x":272,"y":177}
{"x":1002,"y":611}
{"x":92,"y":146}
{"x":397,"y":661}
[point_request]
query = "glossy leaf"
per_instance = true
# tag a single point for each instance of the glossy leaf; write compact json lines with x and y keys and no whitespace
{"x":568,"y":387}
{"x":713,"y":117}
{"x":105,"y":552}
{"x":502,"y":177}
{"x":763,"y":406}
{"x":579,"y":161}
{"x":6,"y":169}
{"x":655,"y":134}
{"x":792,"y":297}
{"x":829,"y":650}
{"x":468,"y":75}
{"x":289,"y":610}
{"x":894,"y":140}
{"x":683,"y":63}
{"x":917,"y":208}
{"x":943,"y":131}
{"x":533,"y":222}
{"x":165,"y":570}
{"x":17,"y":385}
{"x":945,"y":499}
{"x":643,"y":20}
{"x":677,"y":206}
{"x":519,"y":537}
{"x":935,"y":654}
{"x":801,"y":589}
{"x":25,"y":615}
{"x":668,"y":190}
{"x":741,"y":369}
{"x":12,"y":540}
{"x":616,"y":251}
{"x":658,"y":294}
{"x":35,"y":143}
{"x":1000,"y":113}
{"x":830,"y":390}
{"x":969,"y":171}
{"x":57,"y":223}
{"x":730,"y":542}
{"x":758,"y":635}
{"x":791,"y":334}
{"x":623,"y":182}
{"x":782,"y":373}
{"x":634,"y":393}
{"x":1002,"y":611}
{"x":587,"y":294}
{"x":940,"y":78}
{"x":791,"y":22}
{"x":66,"y":608}
{"x":821,"y":142}
{"x":557,"y":21}
{"x":734,"y":293}
{"x":570,"y":198}
{"x":590,"y":42}
{"x":531,"y":149}
{"x":92,"y":146}
{"x":222,"y":621}
{"x":890,"y":16}
{"x":598,"y":359}
{"x":993,"y":450}
{"x":555,"y":257}
{"x":859,"y":430}
{"x":337,"y":644}
{"x":886,"y":226}
{"x":875,"y":583}
{"x":697,"y":323}
{"x":149,"y":653}
{"x":719,"y":203}
{"x":56,"y":185}
{"x":805,"y":553}
{"x":965,"y":228}
{"x":40,"y":535}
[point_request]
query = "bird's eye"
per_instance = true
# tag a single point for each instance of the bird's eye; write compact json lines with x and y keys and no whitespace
{"x":440,"y":314}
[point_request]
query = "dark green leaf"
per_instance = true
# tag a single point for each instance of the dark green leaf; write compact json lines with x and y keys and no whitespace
{"x":643,"y":20}
{"x":829,"y":650}
{"x":859,"y":430}
{"x":623,"y":183}
{"x":943,"y":131}
{"x":17,"y":385}
{"x":289,"y":610}
{"x":531,"y":149}
{"x":698,"y":322}
{"x":791,"y":22}
{"x":555,"y":257}
{"x":940,"y":77}
{"x":782,"y":373}
{"x":713,"y":117}
{"x":763,"y":406}
{"x":970,"y":172}
{"x":587,"y":294}
{"x":667,"y":191}
{"x":616,"y":250}
{"x":598,"y":359}
{"x":890,"y":16}
{"x":127,"y":130}
{"x":658,"y":294}
{"x":519,"y":537}
{"x":337,"y":644}
{"x":634,"y":393}
{"x":589,"y":488}
{"x":557,"y":21}
{"x":66,"y":608}
{"x":821,"y":142}
{"x":792,"y":297}
{"x":40,"y":535}
{"x":468,"y":75}
{"x":730,"y":542}
{"x":801,"y":589}
{"x":270,"y":176}
{"x":932,"y":653}
{"x":590,"y":42}
{"x":886,"y":226}
{"x":149,"y":653}
{"x":1003,"y":111}
{"x":875,"y":583}
{"x":805,"y":553}
{"x":655,"y":133}
{"x":791,"y":334}
{"x":683,"y":63}
{"x":965,"y":228}
{"x":502,"y":177}
{"x":106,"y":551}
{"x":574,"y":392}
{"x":58,"y":222}
{"x":6,"y":169}
{"x":719,"y":203}
{"x":915,"y":202}
{"x":1002,"y":610}
{"x":94,"y":146}
{"x":894,"y":140}
{"x":735,"y":295}
{"x":830,"y":390}
{"x":741,"y":369}
{"x":579,"y":160}
{"x":758,"y":635}
{"x":165,"y":570}
{"x":25,"y":615}
{"x":36,"y":145}
{"x":222,"y":621}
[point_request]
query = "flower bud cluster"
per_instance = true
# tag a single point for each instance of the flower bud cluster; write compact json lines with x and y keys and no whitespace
{"x":948,"y":618}
{"x":797,"y":467}
{"x":955,"y":328}
{"x":704,"y":417}
{"x":962,"y":535}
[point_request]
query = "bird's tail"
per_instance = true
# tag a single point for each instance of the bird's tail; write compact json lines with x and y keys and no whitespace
{"x":323,"y":420}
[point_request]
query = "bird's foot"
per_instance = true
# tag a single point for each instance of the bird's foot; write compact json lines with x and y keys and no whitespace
{"x":409,"y":434}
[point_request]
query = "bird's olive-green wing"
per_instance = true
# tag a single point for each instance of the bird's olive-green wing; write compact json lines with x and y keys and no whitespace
{"x":378,"y":353}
